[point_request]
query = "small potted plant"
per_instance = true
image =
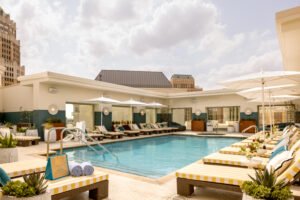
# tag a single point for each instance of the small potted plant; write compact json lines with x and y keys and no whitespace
{"x":33,"y":188}
{"x":265,"y":185}
{"x":8,"y":150}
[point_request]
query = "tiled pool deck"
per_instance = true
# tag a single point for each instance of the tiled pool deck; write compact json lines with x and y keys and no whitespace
{"x":129,"y":187}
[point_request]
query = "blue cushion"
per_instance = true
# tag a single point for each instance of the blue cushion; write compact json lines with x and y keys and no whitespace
{"x":121,"y":128}
{"x":278,"y":151}
{"x":4,"y":178}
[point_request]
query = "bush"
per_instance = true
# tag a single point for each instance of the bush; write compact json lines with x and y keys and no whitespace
{"x":18,"y":189}
{"x":266,"y":186}
{"x":34,"y":184}
{"x":8,"y":142}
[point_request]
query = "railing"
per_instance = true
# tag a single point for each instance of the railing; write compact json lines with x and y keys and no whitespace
{"x":78,"y":133}
{"x":252,"y":126}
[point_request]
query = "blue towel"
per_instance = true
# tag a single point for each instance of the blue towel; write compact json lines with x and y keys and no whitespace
{"x":88,"y":168}
{"x":75,"y":169}
{"x":4,"y":178}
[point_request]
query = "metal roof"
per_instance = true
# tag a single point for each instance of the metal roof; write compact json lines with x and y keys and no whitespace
{"x":140,"y":79}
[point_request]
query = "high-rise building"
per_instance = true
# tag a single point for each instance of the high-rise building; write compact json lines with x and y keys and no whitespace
{"x":10,"y":62}
{"x":182,"y":81}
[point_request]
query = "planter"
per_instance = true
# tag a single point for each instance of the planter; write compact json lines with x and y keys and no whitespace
{"x":32,"y":132}
{"x":8,"y":155}
{"x":45,"y":196}
{"x":209,"y":128}
{"x":230,"y":129}
{"x":247,"y":197}
{"x":52,"y":135}
{"x":58,"y":131}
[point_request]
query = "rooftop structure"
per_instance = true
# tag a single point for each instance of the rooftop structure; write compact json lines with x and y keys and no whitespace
{"x":10,"y":68}
{"x":138,"y":79}
{"x":288,"y":30}
{"x":182,"y":81}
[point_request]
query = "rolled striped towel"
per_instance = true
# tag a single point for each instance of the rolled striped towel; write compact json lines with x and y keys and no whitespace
{"x":87,"y":168}
{"x":75,"y":169}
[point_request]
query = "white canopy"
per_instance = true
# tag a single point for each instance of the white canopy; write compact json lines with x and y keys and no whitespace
{"x":263,"y":79}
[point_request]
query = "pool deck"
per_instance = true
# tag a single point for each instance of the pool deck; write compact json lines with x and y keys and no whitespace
{"x":131,"y":187}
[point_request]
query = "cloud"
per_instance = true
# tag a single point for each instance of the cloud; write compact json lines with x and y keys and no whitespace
{"x":172,"y":23}
{"x":80,"y":37}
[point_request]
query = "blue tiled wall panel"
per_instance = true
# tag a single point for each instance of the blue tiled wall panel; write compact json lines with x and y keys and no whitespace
{"x":107,"y":120}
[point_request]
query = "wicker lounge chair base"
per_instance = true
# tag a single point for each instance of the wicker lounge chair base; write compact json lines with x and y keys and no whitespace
{"x":27,"y":143}
{"x":97,"y":191}
{"x":185,"y":187}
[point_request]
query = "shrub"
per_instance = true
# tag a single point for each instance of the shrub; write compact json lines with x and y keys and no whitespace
{"x":8,"y":142}
{"x":34,"y":184}
{"x":266,"y":186}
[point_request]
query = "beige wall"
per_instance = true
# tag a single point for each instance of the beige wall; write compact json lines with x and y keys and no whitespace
{"x":288,"y":29}
{"x":66,"y":93}
{"x":15,"y":97}
{"x":200,"y":103}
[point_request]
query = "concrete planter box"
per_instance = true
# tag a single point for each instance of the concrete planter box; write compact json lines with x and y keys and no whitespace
{"x":52,"y":135}
{"x":45,"y":196}
{"x":8,"y":155}
{"x":32,"y":132}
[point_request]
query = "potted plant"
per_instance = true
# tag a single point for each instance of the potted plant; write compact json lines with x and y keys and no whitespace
{"x":54,"y":122}
{"x":8,"y":150}
{"x":33,"y":188}
{"x":265,"y":186}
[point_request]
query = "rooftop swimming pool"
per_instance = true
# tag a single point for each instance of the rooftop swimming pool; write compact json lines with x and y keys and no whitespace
{"x":151,"y":157}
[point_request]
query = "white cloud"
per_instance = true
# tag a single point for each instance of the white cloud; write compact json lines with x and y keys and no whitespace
{"x":174,"y":22}
{"x":79,"y":37}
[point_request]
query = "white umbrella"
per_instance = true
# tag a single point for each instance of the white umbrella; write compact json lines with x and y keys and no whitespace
{"x":101,"y":100}
{"x":132,"y":102}
{"x":156,"y":105}
{"x":263,"y":79}
{"x":278,"y":98}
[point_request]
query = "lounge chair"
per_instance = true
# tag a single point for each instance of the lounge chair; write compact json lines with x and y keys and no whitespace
{"x":96,"y":184}
{"x":21,"y":168}
{"x":156,"y":127}
{"x":165,"y":125}
{"x":225,"y":177}
{"x":128,"y":133}
{"x":26,"y":141}
{"x":96,"y":134}
{"x":145,"y":131}
{"x":244,"y":144}
{"x":145,"y":126}
{"x":237,"y":151}
{"x":235,"y":160}
{"x":109,"y":134}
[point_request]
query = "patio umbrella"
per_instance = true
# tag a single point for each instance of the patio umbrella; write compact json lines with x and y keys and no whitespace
{"x":263,"y":79}
{"x":132,"y":102}
{"x":155,"y":105}
{"x":101,"y":100}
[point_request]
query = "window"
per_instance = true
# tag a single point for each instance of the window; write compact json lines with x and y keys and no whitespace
{"x":278,"y":114}
{"x":80,"y":112}
{"x":223,"y":114}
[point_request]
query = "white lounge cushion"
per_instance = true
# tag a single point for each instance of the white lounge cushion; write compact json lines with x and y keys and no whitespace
{"x":276,"y":162}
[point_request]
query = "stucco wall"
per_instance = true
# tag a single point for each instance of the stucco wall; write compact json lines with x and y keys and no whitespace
{"x":201,"y":103}
{"x":16,"y":98}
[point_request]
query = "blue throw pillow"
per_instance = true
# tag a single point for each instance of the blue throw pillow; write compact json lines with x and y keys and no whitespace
{"x":4,"y":178}
{"x":277,"y":151}
{"x":121,"y":128}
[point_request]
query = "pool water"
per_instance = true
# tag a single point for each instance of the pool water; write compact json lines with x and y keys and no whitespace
{"x":151,"y":157}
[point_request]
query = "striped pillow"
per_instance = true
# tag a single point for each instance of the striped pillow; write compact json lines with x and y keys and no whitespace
{"x":289,"y":174}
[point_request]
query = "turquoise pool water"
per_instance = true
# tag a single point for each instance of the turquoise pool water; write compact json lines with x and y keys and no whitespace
{"x":152,"y":157}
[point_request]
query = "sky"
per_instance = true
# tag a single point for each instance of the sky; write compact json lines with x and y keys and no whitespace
{"x":213,"y":40}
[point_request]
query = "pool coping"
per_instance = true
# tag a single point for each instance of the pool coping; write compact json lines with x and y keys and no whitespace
{"x":160,"y":180}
